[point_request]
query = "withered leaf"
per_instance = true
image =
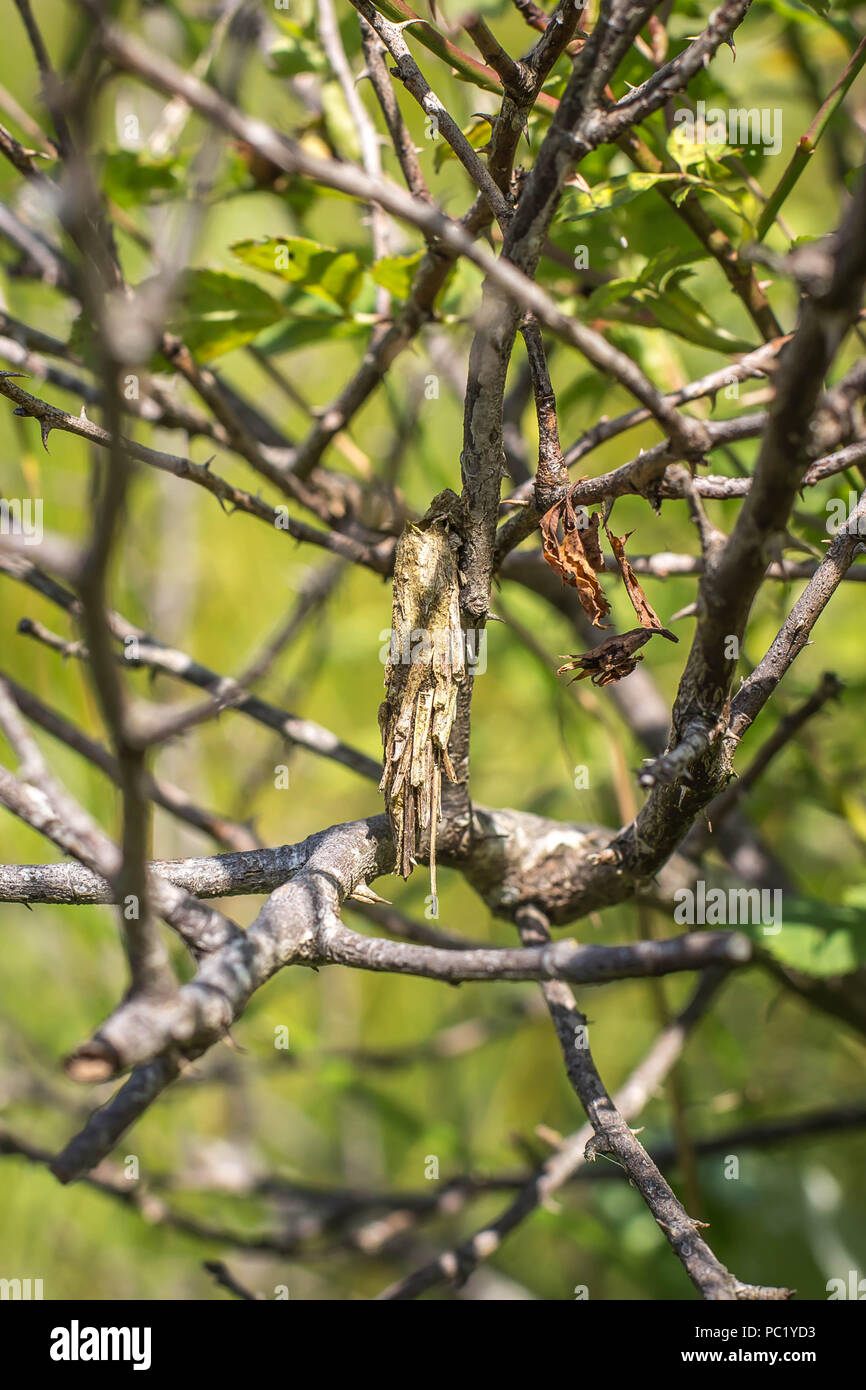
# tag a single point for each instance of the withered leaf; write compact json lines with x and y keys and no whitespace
{"x":591,"y":543}
{"x":646,"y":615}
{"x":573,"y":558}
{"x":611,"y":659}
{"x":615,"y":657}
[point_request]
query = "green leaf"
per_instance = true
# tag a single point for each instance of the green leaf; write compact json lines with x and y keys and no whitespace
{"x":817,"y":938}
{"x":133,"y":176}
{"x":799,"y":11}
{"x":614,"y":193}
{"x":218,"y":312}
{"x":686,"y":151}
{"x":296,"y":53}
{"x":306,"y":330}
{"x":336,"y":276}
{"x":655,"y":275}
{"x":676,"y":310}
{"x":609,"y":294}
{"x":300,"y":21}
{"x":396,"y":273}
{"x":660,"y":267}
{"x":736,"y":197}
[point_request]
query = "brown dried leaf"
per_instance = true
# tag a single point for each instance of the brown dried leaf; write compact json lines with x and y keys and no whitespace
{"x":591,"y":543}
{"x":569,"y":558}
{"x":611,"y":659}
{"x":615,"y":657}
{"x":647,"y":617}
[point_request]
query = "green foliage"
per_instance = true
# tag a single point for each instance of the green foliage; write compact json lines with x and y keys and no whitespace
{"x":298,"y":52}
{"x":131,"y":177}
{"x":219,"y":312}
{"x":658,"y":286}
{"x":818,"y":938}
{"x":336,"y":276}
{"x":395,"y":273}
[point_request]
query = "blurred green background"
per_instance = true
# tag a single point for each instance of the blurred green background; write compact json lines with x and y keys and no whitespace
{"x":351,"y":1104}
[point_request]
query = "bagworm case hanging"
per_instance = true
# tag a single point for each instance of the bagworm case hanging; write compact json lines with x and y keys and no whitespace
{"x":426,"y":666}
